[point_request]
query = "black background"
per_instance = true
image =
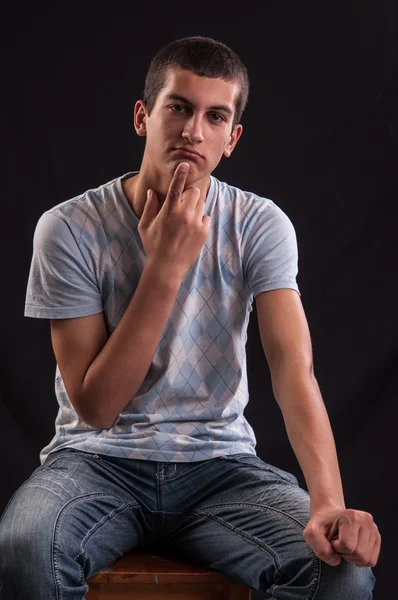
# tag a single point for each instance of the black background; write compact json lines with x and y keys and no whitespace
{"x":320,"y":139}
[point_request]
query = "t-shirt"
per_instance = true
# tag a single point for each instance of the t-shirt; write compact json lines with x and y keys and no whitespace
{"x":88,"y":257}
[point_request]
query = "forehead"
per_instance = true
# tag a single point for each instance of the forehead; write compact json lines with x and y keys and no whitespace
{"x":200,"y":91}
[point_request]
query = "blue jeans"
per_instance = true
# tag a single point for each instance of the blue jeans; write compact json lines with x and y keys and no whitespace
{"x":79,"y":512}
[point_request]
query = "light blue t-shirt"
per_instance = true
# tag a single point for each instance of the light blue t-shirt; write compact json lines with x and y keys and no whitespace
{"x":88,"y":257}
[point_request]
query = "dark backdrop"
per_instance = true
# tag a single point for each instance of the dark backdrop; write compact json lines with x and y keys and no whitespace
{"x":320,"y":139}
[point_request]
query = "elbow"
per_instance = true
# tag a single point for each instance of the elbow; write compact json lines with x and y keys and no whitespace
{"x":292,"y":372}
{"x":97,"y":422}
{"x":91,"y":416}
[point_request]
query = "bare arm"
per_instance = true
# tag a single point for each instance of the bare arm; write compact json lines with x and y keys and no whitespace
{"x":333,"y":532}
{"x":102,"y":374}
{"x":286,"y":342}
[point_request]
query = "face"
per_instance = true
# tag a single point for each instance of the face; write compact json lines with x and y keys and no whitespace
{"x":191,"y":121}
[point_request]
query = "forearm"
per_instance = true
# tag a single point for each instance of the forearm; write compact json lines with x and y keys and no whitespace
{"x":309,"y":431}
{"x":119,"y":369}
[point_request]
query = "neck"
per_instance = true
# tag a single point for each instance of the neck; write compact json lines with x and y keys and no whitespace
{"x":135,"y":188}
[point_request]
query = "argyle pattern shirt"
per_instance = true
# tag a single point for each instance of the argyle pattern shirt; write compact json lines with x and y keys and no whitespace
{"x":88,"y":257}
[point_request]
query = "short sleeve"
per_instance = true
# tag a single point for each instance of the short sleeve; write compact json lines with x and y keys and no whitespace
{"x":270,"y":251}
{"x":60,"y":284}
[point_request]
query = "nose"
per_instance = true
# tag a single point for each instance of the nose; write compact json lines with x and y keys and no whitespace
{"x":192,"y":131}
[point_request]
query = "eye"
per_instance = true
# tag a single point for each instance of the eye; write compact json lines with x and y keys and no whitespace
{"x":178,"y":108}
{"x":216,"y":117}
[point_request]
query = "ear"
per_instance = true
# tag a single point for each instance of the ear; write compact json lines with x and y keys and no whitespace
{"x":233,"y":139}
{"x":140,"y":115}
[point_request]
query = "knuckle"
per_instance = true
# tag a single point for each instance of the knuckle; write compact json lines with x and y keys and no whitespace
{"x":306,"y":534}
{"x":309,"y":533}
{"x":348,"y":548}
{"x":360,"y":557}
{"x":192,"y":189}
{"x":367,"y":517}
{"x":183,"y":216}
{"x":173,"y":193}
{"x":355,"y":517}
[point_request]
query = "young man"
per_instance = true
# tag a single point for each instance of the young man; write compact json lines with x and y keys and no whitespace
{"x":148,"y":282}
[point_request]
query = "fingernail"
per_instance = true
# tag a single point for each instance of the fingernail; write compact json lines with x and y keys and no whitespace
{"x":149,"y":194}
{"x":184,"y":167}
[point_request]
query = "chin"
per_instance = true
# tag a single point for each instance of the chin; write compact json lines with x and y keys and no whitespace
{"x":193,"y":169}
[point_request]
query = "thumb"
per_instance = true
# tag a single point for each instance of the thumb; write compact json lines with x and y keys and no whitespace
{"x":150,"y":208}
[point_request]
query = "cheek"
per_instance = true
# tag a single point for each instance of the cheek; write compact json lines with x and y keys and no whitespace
{"x":221,"y":143}
{"x":171,"y":127}
{"x":165,"y":134}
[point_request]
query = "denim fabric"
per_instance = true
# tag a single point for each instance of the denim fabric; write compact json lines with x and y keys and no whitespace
{"x":79,"y":512}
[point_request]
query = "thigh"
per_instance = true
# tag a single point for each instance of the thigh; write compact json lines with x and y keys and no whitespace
{"x":247,"y":524}
{"x":249,"y":527}
{"x":70,"y":519}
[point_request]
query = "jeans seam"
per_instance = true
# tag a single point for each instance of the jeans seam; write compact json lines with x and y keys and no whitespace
{"x":55,"y":545}
{"x":315,"y":585}
{"x":262,"y":508}
{"x":106,"y":519}
{"x":114,"y":513}
{"x":245,"y":535}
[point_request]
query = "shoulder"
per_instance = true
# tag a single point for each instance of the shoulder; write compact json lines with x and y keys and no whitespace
{"x":251,"y":207}
{"x":85,"y":211}
{"x":90,"y":200}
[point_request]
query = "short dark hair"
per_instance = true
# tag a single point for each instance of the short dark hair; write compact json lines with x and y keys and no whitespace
{"x":203,"y":56}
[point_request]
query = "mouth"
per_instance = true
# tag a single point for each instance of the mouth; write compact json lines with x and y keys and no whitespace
{"x":187,"y":152}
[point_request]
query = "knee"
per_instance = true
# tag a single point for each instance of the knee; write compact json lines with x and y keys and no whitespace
{"x":294,"y":572}
{"x":25,"y":557}
{"x":24,"y":540}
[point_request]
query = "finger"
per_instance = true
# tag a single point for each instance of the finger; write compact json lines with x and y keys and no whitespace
{"x":326,"y":553}
{"x":150,"y":209}
{"x":351,"y":551}
{"x":347,"y":540}
{"x":367,"y":552}
{"x":334,"y":531}
{"x":366,"y":540}
{"x":177,"y":183}
{"x":206,"y":220}
{"x":374,"y":557}
{"x":322,"y":547}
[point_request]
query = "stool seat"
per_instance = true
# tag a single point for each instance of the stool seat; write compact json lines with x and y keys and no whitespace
{"x":145,"y":574}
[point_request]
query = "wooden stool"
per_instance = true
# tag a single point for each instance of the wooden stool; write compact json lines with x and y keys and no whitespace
{"x":146,"y":575}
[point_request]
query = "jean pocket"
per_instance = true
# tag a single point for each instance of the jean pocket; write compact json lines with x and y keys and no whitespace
{"x":281,"y":473}
{"x":243,"y":457}
{"x":255,"y":461}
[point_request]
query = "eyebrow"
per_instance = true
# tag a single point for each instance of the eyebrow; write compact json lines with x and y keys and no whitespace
{"x":186,"y":101}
